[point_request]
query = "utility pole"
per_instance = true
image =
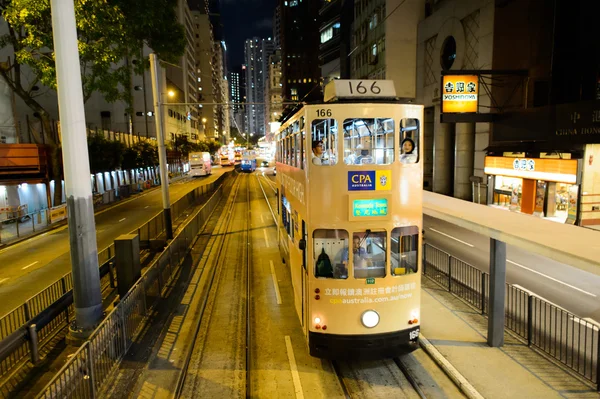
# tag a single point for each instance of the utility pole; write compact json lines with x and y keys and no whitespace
{"x":162,"y":151}
{"x":80,"y":205}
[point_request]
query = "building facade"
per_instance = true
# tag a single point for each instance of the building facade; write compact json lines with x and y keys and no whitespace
{"x":273,"y":94}
{"x":205,"y":70}
{"x":336,"y":19}
{"x":299,"y":43}
{"x":256,"y":53}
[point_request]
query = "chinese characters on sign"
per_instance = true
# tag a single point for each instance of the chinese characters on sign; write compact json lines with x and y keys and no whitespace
{"x":370,"y":207}
{"x":363,"y":295}
{"x":460,"y":93}
{"x":524,"y":164}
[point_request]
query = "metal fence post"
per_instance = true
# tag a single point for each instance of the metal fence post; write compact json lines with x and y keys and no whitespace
{"x":17,"y":227}
{"x":92,"y":378}
{"x":33,"y":344}
{"x":529,"y":319}
{"x":424,"y":258}
{"x":598,"y":362}
{"x":111,"y":276}
{"x":482,"y":293}
{"x":33,"y":223}
{"x":26,"y":311}
{"x":449,"y":273}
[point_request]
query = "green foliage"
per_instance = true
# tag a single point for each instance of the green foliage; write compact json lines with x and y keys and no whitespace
{"x":105,"y":155}
{"x":140,"y":155}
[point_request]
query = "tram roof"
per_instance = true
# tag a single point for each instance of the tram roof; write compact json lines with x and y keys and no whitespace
{"x":572,"y":245}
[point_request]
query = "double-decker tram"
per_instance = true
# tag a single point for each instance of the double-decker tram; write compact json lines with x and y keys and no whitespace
{"x":248,"y":161}
{"x":350,"y":219}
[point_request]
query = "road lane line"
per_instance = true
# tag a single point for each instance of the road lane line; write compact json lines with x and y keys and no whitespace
{"x":266,"y":238}
{"x":122,"y":220}
{"x":147,"y":206}
{"x":294,"y":368}
{"x":550,"y":278}
{"x":274,"y":276}
{"x":3,"y":279}
{"x":28,"y":266}
{"x":455,"y":239}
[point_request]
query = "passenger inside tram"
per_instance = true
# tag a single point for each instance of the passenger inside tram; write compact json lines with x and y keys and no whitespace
{"x":368,"y":254}
{"x":317,"y":152}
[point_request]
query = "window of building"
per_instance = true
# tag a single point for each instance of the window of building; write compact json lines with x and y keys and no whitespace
{"x":329,"y":246}
{"x":325,"y":132}
{"x":369,"y":141}
{"x":409,"y":140}
{"x":327,"y":34}
{"x":374,"y":50}
{"x":368,"y":254}
{"x":404,"y":250}
{"x":373,"y":21}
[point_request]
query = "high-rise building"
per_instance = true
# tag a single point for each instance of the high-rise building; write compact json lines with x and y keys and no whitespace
{"x":236,"y":97}
{"x":299,"y":41}
{"x":273,"y":93}
{"x":205,"y":71}
{"x":336,"y":18}
{"x":277,"y":27}
{"x":257,"y":52}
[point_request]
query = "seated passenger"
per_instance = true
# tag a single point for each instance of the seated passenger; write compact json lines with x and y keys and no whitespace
{"x":408,"y":151}
{"x":364,"y":158}
{"x":317,"y":152}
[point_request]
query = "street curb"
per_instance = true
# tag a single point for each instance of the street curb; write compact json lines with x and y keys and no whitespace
{"x":99,"y":212}
{"x":456,"y":377}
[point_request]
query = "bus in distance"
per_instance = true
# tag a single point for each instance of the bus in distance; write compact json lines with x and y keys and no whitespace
{"x":200,"y":164}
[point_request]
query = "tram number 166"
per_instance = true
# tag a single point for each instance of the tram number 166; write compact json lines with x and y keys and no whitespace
{"x":360,"y":88}
{"x":321,"y":113}
{"x":413,"y":334}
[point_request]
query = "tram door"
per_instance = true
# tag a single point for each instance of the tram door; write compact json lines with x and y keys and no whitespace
{"x":304,"y":277}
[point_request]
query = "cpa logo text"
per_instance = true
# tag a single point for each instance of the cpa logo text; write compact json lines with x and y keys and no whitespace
{"x":361,"y":179}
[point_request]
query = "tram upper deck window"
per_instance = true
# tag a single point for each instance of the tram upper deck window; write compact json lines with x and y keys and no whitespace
{"x":325,"y":130}
{"x":368,"y":254}
{"x":405,"y":250}
{"x":369,"y":141}
{"x":329,"y":248}
{"x":409,"y":138}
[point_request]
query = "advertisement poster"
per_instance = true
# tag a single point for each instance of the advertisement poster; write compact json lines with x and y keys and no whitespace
{"x":540,"y":193}
{"x":572,"y":208}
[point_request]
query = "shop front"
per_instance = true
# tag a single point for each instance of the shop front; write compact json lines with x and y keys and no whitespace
{"x":537,"y":186}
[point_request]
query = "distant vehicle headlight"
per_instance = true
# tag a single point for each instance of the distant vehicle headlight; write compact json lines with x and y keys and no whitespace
{"x":370,"y":318}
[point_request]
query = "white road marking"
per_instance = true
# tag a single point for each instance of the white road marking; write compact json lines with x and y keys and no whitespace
{"x":455,"y":239}
{"x":274,"y":276}
{"x":262,"y":219}
{"x":147,"y":206}
{"x":294,"y":368}
{"x":3,"y":280}
{"x":28,"y":266}
{"x":122,"y":220}
{"x":551,"y":278}
{"x":266,"y":238}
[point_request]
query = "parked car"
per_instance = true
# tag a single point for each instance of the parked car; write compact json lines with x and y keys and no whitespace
{"x":264,"y":164}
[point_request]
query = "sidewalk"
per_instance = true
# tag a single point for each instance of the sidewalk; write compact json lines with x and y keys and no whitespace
{"x":35,"y":226}
{"x":514,"y":371}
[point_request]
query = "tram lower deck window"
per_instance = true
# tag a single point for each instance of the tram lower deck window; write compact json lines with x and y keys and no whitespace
{"x":328,"y":248}
{"x":368,"y":254}
{"x":405,"y":250}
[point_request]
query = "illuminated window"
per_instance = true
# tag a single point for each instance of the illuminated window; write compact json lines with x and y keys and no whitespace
{"x":327,"y":35}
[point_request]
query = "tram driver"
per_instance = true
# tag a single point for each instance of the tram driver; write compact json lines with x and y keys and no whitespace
{"x":360,"y":257}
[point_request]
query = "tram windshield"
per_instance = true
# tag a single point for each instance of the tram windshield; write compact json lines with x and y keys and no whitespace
{"x":405,"y":250}
{"x":369,"y":141}
{"x":368,"y":254}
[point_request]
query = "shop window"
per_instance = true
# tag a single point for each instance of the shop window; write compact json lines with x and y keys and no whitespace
{"x":404,"y":250}
{"x":369,"y":141}
{"x":329,"y":246}
{"x":324,"y":131}
{"x":368,"y":254}
{"x":409,"y":139}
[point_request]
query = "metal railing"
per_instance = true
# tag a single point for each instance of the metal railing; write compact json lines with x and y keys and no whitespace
{"x":89,"y":370}
{"x":556,"y":332}
{"x":20,"y":343}
{"x":14,"y":228}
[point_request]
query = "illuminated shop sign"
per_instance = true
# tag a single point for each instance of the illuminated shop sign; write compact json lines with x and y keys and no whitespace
{"x":524,"y":164}
{"x":460,"y":93}
{"x":556,"y":170}
{"x":370,"y":207}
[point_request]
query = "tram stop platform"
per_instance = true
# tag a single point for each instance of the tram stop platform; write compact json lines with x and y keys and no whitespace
{"x":457,"y":332}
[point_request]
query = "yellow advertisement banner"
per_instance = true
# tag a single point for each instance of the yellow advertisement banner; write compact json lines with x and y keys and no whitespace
{"x":460,"y":93}
{"x":383,"y":180}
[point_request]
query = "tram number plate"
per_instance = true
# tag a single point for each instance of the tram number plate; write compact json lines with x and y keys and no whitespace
{"x":371,"y":280}
{"x":322,"y":113}
{"x":414,"y":334}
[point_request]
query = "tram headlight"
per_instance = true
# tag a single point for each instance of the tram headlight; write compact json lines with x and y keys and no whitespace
{"x":370,"y":318}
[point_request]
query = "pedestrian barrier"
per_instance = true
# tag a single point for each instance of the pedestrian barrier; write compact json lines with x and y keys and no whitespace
{"x":51,"y":310}
{"x":556,"y":332}
{"x":89,"y":370}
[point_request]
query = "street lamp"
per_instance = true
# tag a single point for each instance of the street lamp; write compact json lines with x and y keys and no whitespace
{"x":171,"y":93}
{"x":204,"y":120}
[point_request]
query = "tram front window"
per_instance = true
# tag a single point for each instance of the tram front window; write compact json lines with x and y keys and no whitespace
{"x":405,"y":250}
{"x":325,"y":131}
{"x":368,"y":254}
{"x":329,"y":247}
{"x":369,"y":141}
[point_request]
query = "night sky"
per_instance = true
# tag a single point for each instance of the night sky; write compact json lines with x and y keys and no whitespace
{"x":244,"y":19}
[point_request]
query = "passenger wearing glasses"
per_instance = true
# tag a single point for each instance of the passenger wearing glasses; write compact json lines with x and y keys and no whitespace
{"x":317,"y":152}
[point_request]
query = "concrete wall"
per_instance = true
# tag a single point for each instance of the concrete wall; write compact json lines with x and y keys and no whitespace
{"x":590,"y":187}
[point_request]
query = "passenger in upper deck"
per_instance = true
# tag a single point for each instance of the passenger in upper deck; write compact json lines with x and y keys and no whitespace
{"x":317,"y":152}
{"x":365,"y":158}
{"x":408,"y":151}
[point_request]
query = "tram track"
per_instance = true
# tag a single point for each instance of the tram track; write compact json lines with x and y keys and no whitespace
{"x":220,"y":326}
